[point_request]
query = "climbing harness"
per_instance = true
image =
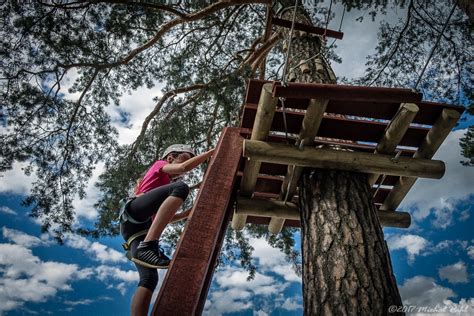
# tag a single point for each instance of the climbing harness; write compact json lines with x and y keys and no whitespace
{"x":128,"y":244}
{"x":123,"y":214}
{"x":125,"y":217}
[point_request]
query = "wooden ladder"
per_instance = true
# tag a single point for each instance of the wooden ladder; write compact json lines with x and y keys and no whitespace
{"x":187,"y":281}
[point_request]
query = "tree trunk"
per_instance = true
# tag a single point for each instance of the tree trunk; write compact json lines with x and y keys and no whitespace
{"x":346,"y":263}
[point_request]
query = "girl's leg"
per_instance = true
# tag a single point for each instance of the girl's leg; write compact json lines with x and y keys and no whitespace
{"x":141,"y":301}
{"x":167,"y":199}
{"x":147,"y":284}
{"x":164,"y":215}
{"x":144,"y":206}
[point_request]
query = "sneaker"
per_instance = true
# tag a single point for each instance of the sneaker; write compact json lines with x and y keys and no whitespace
{"x":151,"y":256}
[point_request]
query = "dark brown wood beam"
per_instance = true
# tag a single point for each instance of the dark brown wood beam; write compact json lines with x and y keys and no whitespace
{"x":344,"y":92}
{"x":308,"y":28}
{"x":185,"y":285}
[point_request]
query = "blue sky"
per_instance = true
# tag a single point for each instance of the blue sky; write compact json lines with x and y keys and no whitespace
{"x":433,"y":260}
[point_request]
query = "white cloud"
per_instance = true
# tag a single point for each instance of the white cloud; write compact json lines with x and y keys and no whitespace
{"x":413,"y":244}
{"x":451,"y":246}
{"x":423,"y":291}
{"x":138,"y":105}
{"x":235,"y":292}
{"x":7,"y":210}
{"x":464,"y":216}
{"x":422,"y":296}
{"x":15,"y":181}
{"x":96,"y":250}
{"x":80,"y":302}
{"x":272,"y":259}
{"x":23,"y":239}
{"x":238,"y":278}
{"x":470,"y":252}
{"x":104,"y":272}
{"x":455,"y":273}
{"x":439,"y":197}
{"x":25,"y":278}
{"x":291,"y":304}
{"x":84,"y":208}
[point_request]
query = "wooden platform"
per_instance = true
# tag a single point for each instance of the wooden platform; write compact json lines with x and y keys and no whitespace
{"x":356,"y":118}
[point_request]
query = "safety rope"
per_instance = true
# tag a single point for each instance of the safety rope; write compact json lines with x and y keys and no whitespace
{"x":435,"y":45}
{"x":340,"y":27}
{"x":285,"y":69}
{"x":327,"y":20}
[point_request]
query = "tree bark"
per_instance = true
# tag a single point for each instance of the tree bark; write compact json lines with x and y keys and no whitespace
{"x":346,"y":263}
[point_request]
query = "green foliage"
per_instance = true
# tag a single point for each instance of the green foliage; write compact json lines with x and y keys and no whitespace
{"x":65,"y":68}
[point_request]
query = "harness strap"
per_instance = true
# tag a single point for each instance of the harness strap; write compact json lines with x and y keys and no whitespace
{"x":124,"y":216}
{"x":126,"y":245}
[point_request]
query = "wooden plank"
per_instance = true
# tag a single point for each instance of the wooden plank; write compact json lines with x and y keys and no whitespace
{"x":344,"y":92}
{"x":342,"y":160}
{"x":308,"y":28}
{"x":337,"y":127}
{"x":261,"y":127}
{"x":428,"y":111}
{"x":438,"y":133}
{"x":245,"y":132}
{"x":289,"y":211}
{"x":183,"y":286}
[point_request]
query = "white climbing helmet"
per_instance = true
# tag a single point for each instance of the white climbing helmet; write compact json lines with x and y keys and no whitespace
{"x":178,"y":148}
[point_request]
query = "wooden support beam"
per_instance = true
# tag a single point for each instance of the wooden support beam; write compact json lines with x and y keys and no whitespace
{"x":308,"y":28}
{"x":309,"y":129}
{"x":394,"y":132}
{"x":261,"y":127}
{"x":342,"y":160}
{"x":267,"y":208}
{"x":394,"y":219}
{"x":289,"y":211}
{"x":185,"y":285}
{"x":435,"y":137}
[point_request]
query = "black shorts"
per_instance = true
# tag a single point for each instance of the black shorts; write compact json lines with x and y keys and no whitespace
{"x":141,"y":209}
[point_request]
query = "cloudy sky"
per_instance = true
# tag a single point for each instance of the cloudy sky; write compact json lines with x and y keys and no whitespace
{"x":433,"y":259}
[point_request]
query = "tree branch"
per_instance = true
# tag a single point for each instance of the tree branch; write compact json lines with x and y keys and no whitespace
{"x":73,"y":118}
{"x":157,"y":109}
{"x":164,"y":29}
{"x":397,"y":43}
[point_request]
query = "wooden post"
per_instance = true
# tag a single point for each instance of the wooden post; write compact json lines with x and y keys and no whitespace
{"x":191,"y":269}
{"x":395,"y":132}
{"x":261,"y":127}
{"x":269,"y":208}
{"x":435,"y":137}
{"x":342,"y":160}
{"x":309,"y":129}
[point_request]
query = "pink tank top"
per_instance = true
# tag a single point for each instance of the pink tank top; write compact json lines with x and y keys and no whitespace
{"x":154,"y":177}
